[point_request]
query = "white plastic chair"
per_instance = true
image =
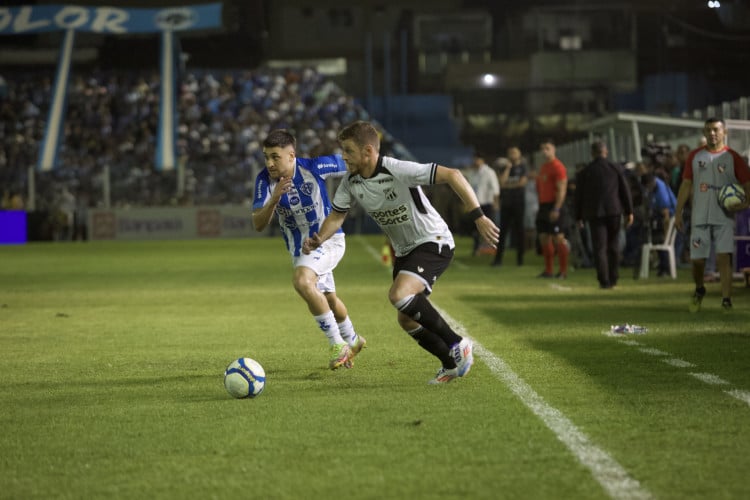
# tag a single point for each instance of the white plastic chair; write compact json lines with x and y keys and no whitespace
{"x":667,"y":246}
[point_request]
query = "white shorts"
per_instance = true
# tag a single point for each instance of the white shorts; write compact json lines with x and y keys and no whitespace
{"x":323,"y":261}
{"x":701,"y":237}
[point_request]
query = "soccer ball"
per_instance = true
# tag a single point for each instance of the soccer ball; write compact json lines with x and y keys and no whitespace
{"x":731,"y":195}
{"x":244,"y":378}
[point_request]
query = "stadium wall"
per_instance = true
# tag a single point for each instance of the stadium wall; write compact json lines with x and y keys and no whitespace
{"x":173,"y":223}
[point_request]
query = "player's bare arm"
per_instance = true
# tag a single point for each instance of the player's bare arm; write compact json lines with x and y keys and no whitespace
{"x":561,"y":190}
{"x":455,"y":179}
{"x":333,"y":223}
{"x":745,"y":204}
{"x":262,"y":216}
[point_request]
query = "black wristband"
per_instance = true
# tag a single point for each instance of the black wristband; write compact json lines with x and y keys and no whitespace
{"x":476,"y":213}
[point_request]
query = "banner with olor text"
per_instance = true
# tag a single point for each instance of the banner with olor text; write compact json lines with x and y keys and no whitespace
{"x":119,"y":21}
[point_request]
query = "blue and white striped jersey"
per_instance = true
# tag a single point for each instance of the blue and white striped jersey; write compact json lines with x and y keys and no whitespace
{"x":303,"y":209}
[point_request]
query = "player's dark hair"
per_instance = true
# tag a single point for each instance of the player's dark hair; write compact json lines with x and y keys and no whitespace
{"x":362,"y":133}
{"x":280,"y":138}
{"x":598,"y":147}
{"x":715,"y":119}
{"x":548,"y":140}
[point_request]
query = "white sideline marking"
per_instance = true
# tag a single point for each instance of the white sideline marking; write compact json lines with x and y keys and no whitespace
{"x":626,"y":342}
{"x":652,"y":351}
{"x":605,"y":469}
{"x":560,"y":288}
{"x":743,"y":396}
{"x":710,"y":378}
{"x":679,"y":363}
{"x":459,"y":264}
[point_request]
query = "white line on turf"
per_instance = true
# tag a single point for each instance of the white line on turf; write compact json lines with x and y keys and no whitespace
{"x":605,"y":469}
{"x":741,"y":395}
{"x":707,"y":378}
{"x":652,"y":351}
{"x":560,"y":288}
{"x":679,"y":363}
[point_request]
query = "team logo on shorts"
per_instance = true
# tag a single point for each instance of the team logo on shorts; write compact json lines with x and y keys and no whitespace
{"x":697,"y":243}
{"x":306,"y":188}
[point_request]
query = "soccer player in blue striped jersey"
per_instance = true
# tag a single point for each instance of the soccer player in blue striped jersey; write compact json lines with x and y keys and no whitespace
{"x":294,"y":189}
{"x":389,"y":190}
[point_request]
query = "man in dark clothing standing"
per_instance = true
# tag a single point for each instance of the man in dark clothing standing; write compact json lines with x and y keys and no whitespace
{"x":513,"y":181}
{"x":603,"y":198}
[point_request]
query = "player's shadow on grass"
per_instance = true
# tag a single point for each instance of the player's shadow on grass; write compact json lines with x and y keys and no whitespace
{"x":601,"y":310}
{"x":631,"y":371}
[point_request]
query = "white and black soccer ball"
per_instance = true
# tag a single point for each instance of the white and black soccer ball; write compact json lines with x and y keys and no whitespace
{"x":731,"y":195}
{"x":244,"y":378}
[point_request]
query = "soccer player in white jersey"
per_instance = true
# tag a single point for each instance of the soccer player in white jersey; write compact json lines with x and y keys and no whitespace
{"x":295,"y":190}
{"x":389,"y":190}
{"x":707,"y":169}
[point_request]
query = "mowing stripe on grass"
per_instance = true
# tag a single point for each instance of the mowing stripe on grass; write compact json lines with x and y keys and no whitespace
{"x":606,"y":470}
{"x":707,"y":378}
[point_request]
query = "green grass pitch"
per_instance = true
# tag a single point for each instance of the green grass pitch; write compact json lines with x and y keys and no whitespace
{"x":112,"y":356}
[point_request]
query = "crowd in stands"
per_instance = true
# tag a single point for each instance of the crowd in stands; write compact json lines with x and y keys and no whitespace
{"x":112,"y":119}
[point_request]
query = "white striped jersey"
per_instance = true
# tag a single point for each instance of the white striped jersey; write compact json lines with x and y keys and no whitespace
{"x":394,"y":199}
{"x":303,"y":209}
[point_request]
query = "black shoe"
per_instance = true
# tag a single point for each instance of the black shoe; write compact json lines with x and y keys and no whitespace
{"x":726,"y":304}
{"x":546,"y":275}
{"x":697,"y":300}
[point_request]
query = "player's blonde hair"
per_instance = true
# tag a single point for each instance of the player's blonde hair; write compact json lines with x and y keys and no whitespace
{"x":362,"y":133}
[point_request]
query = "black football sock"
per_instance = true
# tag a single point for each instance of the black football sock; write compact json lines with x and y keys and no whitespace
{"x":434,"y":345}
{"x":420,"y":310}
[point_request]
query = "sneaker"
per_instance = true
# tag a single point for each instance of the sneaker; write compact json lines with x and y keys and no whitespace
{"x":462,"y":353}
{"x":545,"y":275}
{"x":726,"y":304}
{"x":444,"y":375}
{"x":360,"y":344}
{"x":695,"y":302}
{"x":340,"y":356}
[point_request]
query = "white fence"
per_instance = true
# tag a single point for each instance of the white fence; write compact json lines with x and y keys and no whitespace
{"x":627,"y":133}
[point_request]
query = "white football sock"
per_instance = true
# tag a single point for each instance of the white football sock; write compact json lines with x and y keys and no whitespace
{"x":347,"y":331}
{"x":327,"y":323}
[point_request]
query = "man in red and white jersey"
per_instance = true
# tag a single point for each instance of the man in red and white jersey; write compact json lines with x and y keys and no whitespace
{"x":706,"y":170}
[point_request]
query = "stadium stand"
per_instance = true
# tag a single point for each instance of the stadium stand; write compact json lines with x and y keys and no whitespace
{"x":112,"y":118}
